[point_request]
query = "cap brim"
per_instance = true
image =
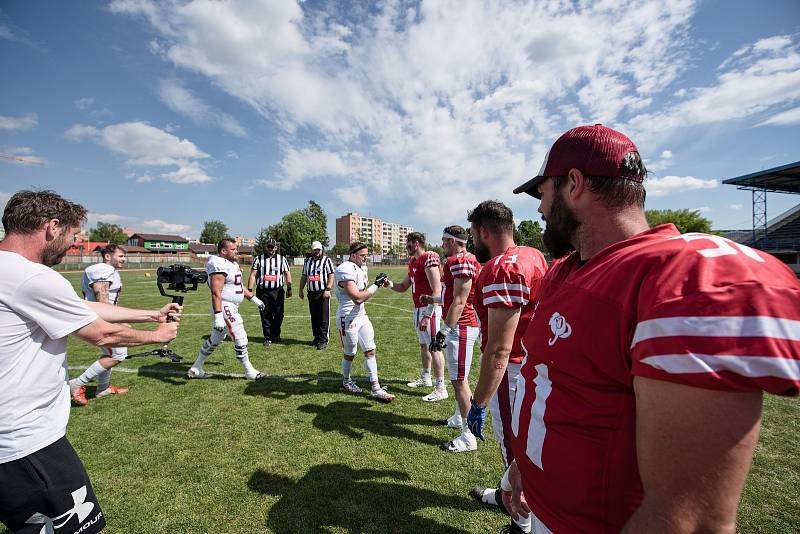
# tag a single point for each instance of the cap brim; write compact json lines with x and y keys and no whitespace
{"x":531,"y":187}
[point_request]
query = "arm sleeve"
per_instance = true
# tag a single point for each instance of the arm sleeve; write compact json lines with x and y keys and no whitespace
{"x":256,"y":262}
{"x":216,"y":266}
{"x":346,"y":274}
{"x":99,"y":273}
{"x":432,"y":260}
{"x":505,"y":289}
{"x":754,"y":345}
{"x":463,"y":269}
{"x":284,"y":264}
{"x":49,"y":300}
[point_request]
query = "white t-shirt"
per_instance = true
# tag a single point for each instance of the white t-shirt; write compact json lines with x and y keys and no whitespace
{"x":349,"y":271}
{"x":101,"y":272}
{"x":38,"y":309}
{"x":232,"y":291}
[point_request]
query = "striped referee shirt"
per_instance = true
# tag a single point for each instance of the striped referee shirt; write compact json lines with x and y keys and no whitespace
{"x":270,"y":271}
{"x":316,"y":272}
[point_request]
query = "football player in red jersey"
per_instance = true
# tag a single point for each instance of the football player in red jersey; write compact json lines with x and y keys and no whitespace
{"x":505,"y":293}
{"x":640,"y":400}
{"x":424,"y":278}
{"x":460,"y":270}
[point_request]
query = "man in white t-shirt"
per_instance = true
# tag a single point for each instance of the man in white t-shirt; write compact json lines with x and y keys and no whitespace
{"x":227,"y":292}
{"x":44,"y":484}
{"x":355,"y":328}
{"x":102,"y":283}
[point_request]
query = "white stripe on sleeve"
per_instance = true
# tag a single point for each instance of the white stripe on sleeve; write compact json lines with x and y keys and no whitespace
{"x":506,"y":299}
{"x":506,"y":288}
{"x":718,"y":326}
{"x":749,"y":366}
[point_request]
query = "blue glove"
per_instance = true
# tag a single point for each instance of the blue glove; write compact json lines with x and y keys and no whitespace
{"x":476,"y":418}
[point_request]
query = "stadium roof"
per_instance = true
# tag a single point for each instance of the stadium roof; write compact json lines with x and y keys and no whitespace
{"x":783,"y":179}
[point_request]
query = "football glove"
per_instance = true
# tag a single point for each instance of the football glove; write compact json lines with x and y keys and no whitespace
{"x":288,"y":290}
{"x":219,"y":322}
{"x":437,"y":343}
{"x":476,"y":418}
{"x":258,"y":302}
{"x":381,"y":279}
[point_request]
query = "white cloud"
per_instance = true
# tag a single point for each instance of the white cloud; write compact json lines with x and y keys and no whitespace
{"x":736,"y":206}
{"x":159,"y":226}
{"x":84,"y":103}
{"x":351,"y":197}
{"x":21,"y":155}
{"x":180,"y":100}
{"x":4,"y":199}
{"x":786,"y":118}
{"x":92,"y":218}
{"x":24,"y":122}
{"x":466,"y":97}
{"x":147,"y":146}
{"x":660,"y":187}
{"x":703,"y":209}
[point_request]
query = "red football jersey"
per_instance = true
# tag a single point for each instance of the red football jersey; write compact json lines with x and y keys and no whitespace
{"x":694,"y":309}
{"x":462,"y":265}
{"x":510,"y":280}
{"x":418,"y":276}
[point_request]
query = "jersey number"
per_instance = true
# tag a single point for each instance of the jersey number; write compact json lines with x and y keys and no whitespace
{"x":723,"y":247}
{"x":237,"y":282}
{"x":537,"y":430}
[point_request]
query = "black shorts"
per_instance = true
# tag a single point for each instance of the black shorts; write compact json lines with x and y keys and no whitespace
{"x":49,"y":488}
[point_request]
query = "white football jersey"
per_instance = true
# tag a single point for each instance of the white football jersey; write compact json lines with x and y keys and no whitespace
{"x":232,"y":291}
{"x":101,"y":272}
{"x":349,"y":271}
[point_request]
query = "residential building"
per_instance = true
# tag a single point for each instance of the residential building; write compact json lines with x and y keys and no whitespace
{"x":388,"y":235}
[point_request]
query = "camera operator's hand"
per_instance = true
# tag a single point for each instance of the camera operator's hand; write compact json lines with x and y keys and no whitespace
{"x":171,"y":311}
{"x":166,"y":332}
{"x":258,"y":302}
{"x":219,"y":322}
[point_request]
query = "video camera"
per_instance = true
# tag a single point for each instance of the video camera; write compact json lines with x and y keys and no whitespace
{"x":183,"y":279}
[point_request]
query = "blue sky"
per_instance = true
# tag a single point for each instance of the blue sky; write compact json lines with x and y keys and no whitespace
{"x":160,"y":115}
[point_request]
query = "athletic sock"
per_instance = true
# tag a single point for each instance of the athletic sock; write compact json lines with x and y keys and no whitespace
{"x":426,"y":373}
{"x":205,"y":351}
{"x":523,"y":523}
{"x":346,"y":364}
{"x":103,"y":380}
{"x":372,"y":369}
{"x":90,"y":372}
{"x":489,"y":496}
{"x":440,"y":383}
{"x":243,"y":356}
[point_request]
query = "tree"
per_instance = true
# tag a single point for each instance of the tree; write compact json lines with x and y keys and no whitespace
{"x":685,"y":220}
{"x":529,"y":234}
{"x":339,"y":249}
{"x":435,"y":248}
{"x":317,"y":215}
{"x":213,"y":232}
{"x":108,"y":232}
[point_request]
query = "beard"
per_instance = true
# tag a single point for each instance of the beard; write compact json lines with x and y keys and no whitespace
{"x":482,"y":253}
{"x":55,"y":250}
{"x":560,"y":230}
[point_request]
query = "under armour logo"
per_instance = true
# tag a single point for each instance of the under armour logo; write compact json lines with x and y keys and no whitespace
{"x":80,"y":508}
{"x":560,"y":328}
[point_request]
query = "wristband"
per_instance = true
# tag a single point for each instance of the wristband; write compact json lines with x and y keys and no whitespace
{"x":428,"y":311}
{"x":391,"y":284}
{"x":372,"y":289}
{"x":505,"y":483}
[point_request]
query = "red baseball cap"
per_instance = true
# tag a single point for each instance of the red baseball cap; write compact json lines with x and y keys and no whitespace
{"x":594,"y":150}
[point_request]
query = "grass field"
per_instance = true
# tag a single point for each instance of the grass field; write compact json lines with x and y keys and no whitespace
{"x":293,"y":453}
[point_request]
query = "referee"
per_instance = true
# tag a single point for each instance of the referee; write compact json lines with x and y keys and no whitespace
{"x":318,"y":275}
{"x":271,"y":272}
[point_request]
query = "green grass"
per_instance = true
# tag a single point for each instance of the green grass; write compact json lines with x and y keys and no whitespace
{"x":294,"y":454}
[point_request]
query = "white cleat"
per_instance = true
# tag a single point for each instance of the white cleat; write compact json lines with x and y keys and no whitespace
{"x":255,"y":375}
{"x":351,"y":387}
{"x":436,"y":395}
{"x":465,"y":442}
{"x":454,"y":421}
{"x":382,"y":395}
{"x":194,"y":372}
{"x":421,"y":382}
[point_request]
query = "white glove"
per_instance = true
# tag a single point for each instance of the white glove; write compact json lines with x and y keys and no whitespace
{"x":258,"y":302}
{"x":219,"y":322}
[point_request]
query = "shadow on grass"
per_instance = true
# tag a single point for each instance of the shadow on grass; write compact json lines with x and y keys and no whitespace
{"x":278,"y":387}
{"x":175,"y":373}
{"x":355,"y":419}
{"x":335,"y":495}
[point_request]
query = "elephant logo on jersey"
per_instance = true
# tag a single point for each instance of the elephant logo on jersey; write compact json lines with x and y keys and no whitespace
{"x":560,"y":328}
{"x":80,"y":508}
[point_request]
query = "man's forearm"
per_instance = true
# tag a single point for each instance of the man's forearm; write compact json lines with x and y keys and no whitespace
{"x":122,"y":336}
{"x":454,"y":313}
{"x":216,"y":302}
{"x":493,"y":367}
{"x":119,"y":314}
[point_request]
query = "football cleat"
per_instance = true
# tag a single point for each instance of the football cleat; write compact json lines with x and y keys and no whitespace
{"x":463,"y":443}
{"x":78,"y":394}
{"x":382,"y":395}
{"x":477,"y":493}
{"x":436,"y":395}
{"x":194,"y":372}
{"x":350,"y":386}
{"x":255,"y":375}
{"x":452,"y":422}
{"x":421,"y":382}
{"x":111,"y":390}
{"x":512,"y":528}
